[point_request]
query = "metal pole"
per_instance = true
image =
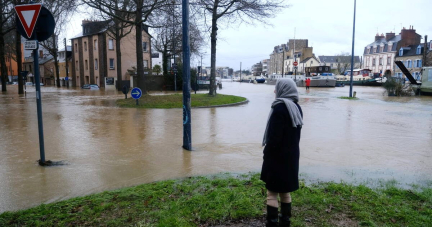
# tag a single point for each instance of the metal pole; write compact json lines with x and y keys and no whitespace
{"x":67,"y":81}
{"x":240,"y":72}
{"x":39,"y":104}
{"x":352,"y":55}
{"x":187,"y":134}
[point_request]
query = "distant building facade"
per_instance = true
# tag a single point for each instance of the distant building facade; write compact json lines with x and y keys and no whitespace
{"x":283,"y":56}
{"x":414,"y":57}
{"x":380,"y":55}
{"x":94,"y":53}
{"x":339,"y":64}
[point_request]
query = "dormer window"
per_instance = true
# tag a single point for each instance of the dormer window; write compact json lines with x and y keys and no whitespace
{"x":401,"y":52}
{"x":418,"y":50}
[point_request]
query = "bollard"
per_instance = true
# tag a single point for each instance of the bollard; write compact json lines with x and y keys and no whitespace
{"x":354,"y":95}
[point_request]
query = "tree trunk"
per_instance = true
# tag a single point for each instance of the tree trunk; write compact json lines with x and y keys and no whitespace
{"x":139,"y":49}
{"x":165,"y":61}
{"x":212,"y":90}
{"x":2,"y":59}
{"x":56,"y":63}
{"x":119,"y":57}
{"x":19,"y":62}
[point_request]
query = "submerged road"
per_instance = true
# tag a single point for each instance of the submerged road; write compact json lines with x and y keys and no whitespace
{"x":373,"y":140}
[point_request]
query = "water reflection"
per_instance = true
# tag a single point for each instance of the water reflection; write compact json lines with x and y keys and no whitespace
{"x":106,"y":147}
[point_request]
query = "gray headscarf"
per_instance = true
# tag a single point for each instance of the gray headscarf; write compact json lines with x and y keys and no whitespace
{"x":286,"y":92}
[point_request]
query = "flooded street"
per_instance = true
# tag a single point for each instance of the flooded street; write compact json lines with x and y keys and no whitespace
{"x":370,"y":140}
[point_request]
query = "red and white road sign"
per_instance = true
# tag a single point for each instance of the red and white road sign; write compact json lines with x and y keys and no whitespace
{"x":295,"y":63}
{"x":28,"y":15}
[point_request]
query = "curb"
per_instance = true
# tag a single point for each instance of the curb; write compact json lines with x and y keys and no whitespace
{"x":224,"y":105}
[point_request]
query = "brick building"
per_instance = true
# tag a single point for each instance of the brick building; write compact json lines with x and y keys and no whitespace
{"x":94,"y":53}
{"x":380,"y":55}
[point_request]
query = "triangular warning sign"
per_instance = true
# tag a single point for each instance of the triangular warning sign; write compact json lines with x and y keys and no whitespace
{"x":28,"y":15}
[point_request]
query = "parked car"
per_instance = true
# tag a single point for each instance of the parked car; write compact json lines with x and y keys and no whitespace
{"x":29,"y":83}
{"x":42,"y":84}
{"x":15,"y":83}
{"x":94,"y":87}
{"x":86,"y":86}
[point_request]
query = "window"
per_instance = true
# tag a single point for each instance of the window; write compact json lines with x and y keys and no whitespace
{"x":388,"y":60}
{"x":145,"y":62}
{"x":85,"y":46}
{"x":145,"y":46}
{"x":401,"y":52}
{"x":311,"y":62}
{"x":76,"y":65}
{"x":111,"y":44}
{"x":381,"y":61}
{"x":96,"y":64}
{"x":409,"y":64}
{"x":86,"y":65}
{"x":111,"y":63}
{"x":418,"y":50}
{"x":418,"y":63}
{"x":95,"y":44}
{"x":76,"y":48}
{"x":373,"y":62}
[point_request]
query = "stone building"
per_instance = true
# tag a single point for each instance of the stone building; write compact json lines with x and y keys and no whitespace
{"x":94,"y":53}
{"x":339,"y":64}
{"x":413,"y":57}
{"x":284,"y":55}
{"x":379,"y":56}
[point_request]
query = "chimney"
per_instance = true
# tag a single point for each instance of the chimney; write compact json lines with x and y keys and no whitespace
{"x":390,"y":35}
{"x":409,"y":37}
{"x":379,"y":37}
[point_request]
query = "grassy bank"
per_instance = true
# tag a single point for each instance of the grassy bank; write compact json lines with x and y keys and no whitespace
{"x":349,"y":98}
{"x":176,"y":101}
{"x":217,"y":200}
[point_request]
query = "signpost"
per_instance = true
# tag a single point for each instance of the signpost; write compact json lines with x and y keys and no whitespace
{"x":35,"y":23}
{"x":295,"y":63}
{"x":136,"y":94}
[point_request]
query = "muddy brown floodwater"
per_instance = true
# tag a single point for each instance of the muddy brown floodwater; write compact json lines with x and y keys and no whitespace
{"x":373,"y":140}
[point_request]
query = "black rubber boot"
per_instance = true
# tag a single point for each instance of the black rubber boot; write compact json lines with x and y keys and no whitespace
{"x":284,"y":218}
{"x":272,"y":216}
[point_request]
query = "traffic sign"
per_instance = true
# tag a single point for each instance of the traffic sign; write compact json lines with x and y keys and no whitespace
{"x":28,"y":15}
{"x":31,"y":45}
{"x":136,"y":93}
{"x":43,"y":27}
{"x":295,"y":63}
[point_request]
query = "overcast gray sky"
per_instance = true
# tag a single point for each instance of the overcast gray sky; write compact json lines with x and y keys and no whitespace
{"x":326,"y":24}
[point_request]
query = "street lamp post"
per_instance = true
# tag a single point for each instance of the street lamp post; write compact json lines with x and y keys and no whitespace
{"x":352,"y":55}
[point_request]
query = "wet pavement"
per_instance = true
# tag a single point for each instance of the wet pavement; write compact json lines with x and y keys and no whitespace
{"x":373,"y":140}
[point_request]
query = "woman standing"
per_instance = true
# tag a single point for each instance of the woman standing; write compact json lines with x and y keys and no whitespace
{"x":281,"y":153}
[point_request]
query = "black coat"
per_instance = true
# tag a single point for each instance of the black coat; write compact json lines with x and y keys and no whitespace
{"x":282,"y":152}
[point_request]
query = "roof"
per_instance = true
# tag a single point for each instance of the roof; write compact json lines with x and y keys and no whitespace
{"x":411,"y":50}
{"x":41,"y":60}
{"x":333,"y":59}
{"x":97,"y":27}
{"x":307,"y":59}
{"x":395,"y":39}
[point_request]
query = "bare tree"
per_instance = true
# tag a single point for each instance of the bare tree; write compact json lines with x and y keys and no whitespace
{"x":231,"y":12}
{"x":140,"y":11}
{"x":62,"y":11}
{"x":6,"y":26}
{"x":344,"y":62}
{"x":167,"y":33}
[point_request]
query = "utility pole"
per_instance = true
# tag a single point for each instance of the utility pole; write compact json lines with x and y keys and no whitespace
{"x":174,"y":53}
{"x":67,"y":76}
{"x":352,"y":56}
{"x":424,"y":51}
{"x":295,"y":58}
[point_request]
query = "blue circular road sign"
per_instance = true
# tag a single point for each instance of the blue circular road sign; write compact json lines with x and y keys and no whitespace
{"x":136,"y":93}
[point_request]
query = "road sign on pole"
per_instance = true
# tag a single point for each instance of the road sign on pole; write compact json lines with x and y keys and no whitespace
{"x":28,"y":15}
{"x":27,"y":21}
{"x":136,"y":94}
{"x":295,"y":63}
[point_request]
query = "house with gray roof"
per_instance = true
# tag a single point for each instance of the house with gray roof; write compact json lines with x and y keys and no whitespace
{"x":340,"y":63}
{"x":380,"y":55}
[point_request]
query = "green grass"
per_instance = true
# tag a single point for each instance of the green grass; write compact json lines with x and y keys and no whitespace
{"x":176,"y":101}
{"x":350,"y":98}
{"x":218,"y":199}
